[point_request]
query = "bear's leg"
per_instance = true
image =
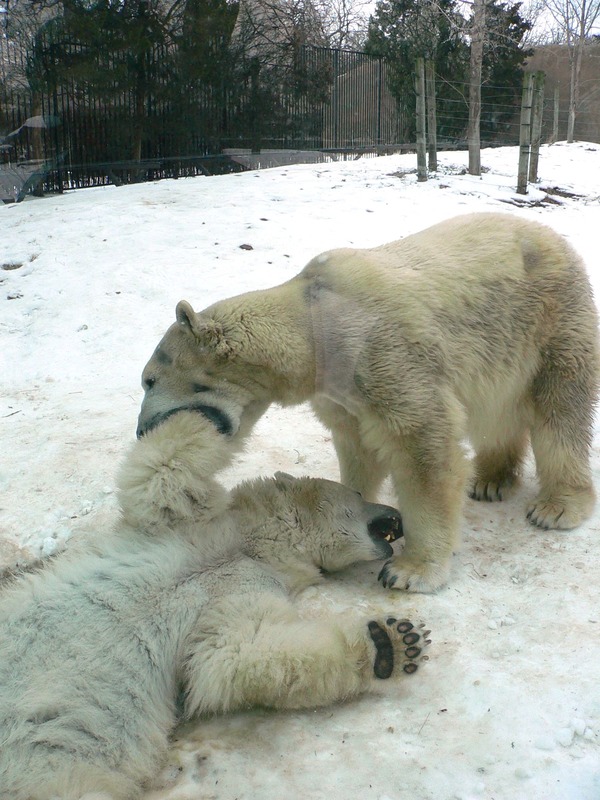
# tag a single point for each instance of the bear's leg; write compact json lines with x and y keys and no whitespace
{"x":497,"y":468}
{"x":254,"y":650}
{"x":360,"y":468}
{"x":561,"y":432}
{"x":430,"y":476}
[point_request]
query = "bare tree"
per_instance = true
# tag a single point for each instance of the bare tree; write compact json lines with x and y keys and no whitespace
{"x":271,"y":30}
{"x":574,"y":21}
{"x":345,"y":22}
{"x":475,"y":68}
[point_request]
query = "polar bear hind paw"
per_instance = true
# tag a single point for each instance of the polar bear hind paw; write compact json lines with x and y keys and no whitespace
{"x":492,"y":490}
{"x":399,"y":645}
{"x":562,"y":511}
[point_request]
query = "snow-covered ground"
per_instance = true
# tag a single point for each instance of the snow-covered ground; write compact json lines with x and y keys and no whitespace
{"x":508,"y":707}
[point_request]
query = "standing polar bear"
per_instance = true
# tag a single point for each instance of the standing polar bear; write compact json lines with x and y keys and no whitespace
{"x":184,"y":604}
{"x":482,"y":327}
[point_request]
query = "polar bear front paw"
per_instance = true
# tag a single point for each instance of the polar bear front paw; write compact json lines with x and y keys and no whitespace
{"x":412,"y":575}
{"x":399,"y":646}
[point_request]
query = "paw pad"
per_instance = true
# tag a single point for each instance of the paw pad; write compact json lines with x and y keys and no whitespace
{"x":410,"y":638}
{"x":398,"y":644}
{"x":384,"y":660}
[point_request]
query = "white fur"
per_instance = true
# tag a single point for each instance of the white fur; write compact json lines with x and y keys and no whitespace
{"x":482,"y":327}
{"x":188,"y":594}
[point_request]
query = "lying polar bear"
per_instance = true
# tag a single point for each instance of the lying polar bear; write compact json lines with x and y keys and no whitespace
{"x":482,"y":327}
{"x":184,"y":604}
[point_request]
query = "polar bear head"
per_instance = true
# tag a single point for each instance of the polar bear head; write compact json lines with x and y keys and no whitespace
{"x":231,"y":361}
{"x":183,"y":374}
{"x":305,"y":526}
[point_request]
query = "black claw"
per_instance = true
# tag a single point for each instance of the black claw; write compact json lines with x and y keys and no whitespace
{"x":385,"y":576}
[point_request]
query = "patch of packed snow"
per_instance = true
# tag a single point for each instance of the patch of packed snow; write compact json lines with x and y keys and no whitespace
{"x":508,"y":707}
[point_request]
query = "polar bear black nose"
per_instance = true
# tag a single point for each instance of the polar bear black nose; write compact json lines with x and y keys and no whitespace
{"x":388,"y":528}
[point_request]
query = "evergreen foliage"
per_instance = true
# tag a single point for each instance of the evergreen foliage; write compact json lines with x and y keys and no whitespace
{"x":404,"y":30}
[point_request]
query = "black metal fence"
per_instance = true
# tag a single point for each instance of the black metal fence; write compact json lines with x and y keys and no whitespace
{"x":125,"y":121}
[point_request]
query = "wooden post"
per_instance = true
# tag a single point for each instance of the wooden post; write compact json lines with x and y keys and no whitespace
{"x":525,"y":133}
{"x":556,"y":110}
{"x":536,"y":125}
{"x":431,"y":116}
{"x":421,"y":143}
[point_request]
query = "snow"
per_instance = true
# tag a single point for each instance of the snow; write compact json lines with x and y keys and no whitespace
{"x":508,"y":707}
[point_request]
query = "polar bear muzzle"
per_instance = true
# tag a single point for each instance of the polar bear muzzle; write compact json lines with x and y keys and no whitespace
{"x":217,"y":416}
{"x":386,"y":528}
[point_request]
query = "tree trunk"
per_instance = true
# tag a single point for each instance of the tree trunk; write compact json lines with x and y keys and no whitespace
{"x":536,"y":125}
{"x":421,"y":141}
{"x":525,"y":133}
{"x":431,"y":116}
{"x":575,"y":73}
{"x":473,"y":133}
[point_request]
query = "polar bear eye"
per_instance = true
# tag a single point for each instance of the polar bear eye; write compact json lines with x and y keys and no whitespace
{"x":149,"y":383}
{"x":197,"y":388}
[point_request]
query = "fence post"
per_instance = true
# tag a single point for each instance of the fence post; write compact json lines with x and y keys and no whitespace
{"x":536,"y":125}
{"x":525,"y":133}
{"x":421,"y":143}
{"x":431,"y":116}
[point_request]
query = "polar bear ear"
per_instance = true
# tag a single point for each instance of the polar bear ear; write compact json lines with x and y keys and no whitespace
{"x":205,"y":330}
{"x":185,"y":315}
{"x":283,"y":477}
